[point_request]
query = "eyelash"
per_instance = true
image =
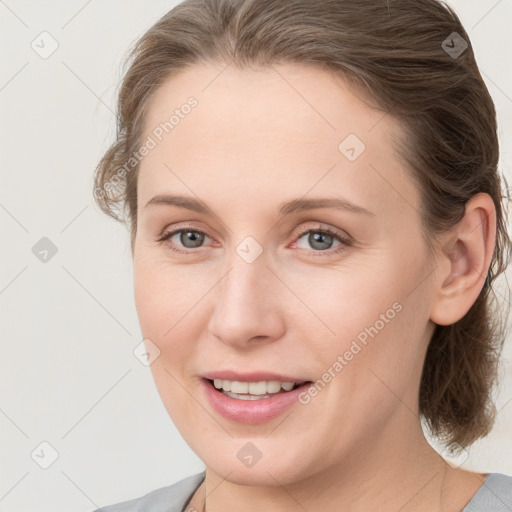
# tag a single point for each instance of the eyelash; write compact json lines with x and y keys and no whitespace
{"x":345,"y":242}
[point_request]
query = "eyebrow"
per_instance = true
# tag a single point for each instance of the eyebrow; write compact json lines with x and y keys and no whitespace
{"x":296,"y":205}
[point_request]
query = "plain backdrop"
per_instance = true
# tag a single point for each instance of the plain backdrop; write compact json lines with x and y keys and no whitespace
{"x":71,"y":388}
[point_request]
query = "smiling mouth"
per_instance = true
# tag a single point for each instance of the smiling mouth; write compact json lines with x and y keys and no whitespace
{"x":261,"y":391}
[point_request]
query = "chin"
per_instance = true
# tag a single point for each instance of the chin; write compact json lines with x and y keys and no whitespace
{"x":264,"y":476}
{"x":273,"y":471}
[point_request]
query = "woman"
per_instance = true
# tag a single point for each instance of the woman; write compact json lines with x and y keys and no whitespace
{"x":316,"y":224}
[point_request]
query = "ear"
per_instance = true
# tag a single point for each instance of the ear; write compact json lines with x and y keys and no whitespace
{"x":464,"y":260}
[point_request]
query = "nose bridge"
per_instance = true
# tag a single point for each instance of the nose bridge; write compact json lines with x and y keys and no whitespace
{"x":245,"y":303}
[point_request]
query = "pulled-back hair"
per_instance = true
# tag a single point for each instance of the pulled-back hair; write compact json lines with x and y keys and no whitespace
{"x":409,"y":59}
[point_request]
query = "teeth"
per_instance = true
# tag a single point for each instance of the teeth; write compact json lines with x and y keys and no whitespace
{"x":253,"y":388}
{"x":239,"y":387}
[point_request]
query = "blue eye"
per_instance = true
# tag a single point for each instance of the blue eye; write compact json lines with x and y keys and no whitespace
{"x":321,"y":240}
{"x":186,"y":236}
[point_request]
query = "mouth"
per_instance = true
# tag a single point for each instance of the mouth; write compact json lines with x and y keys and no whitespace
{"x":252,"y":402}
{"x":261,"y":390}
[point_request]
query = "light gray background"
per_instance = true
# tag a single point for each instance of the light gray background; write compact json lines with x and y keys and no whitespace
{"x":69,"y":326}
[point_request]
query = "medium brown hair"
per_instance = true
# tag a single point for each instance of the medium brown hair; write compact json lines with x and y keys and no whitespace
{"x":397,"y":53}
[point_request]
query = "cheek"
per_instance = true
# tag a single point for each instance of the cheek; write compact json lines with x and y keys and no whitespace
{"x":166,"y":305}
{"x":165,"y":295}
{"x":361,"y":319}
{"x":166,"y":301}
{"x":336,"y":305}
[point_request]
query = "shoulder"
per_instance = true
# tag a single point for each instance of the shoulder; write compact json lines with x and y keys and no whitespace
{"x":495,"y":495}
{"x":171,"y":498}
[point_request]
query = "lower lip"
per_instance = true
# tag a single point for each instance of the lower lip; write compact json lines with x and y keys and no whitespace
{"x":251,"y":411}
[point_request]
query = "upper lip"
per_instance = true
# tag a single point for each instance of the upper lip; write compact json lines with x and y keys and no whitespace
{"x":255,"y":376}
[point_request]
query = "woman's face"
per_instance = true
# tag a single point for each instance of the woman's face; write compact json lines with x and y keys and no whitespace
{"x":257,"y":285}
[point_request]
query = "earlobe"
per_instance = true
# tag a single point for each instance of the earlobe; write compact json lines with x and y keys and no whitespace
{"x":464,"y":261}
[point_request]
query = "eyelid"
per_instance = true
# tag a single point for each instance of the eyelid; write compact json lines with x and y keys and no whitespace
{"x":321,"y":227}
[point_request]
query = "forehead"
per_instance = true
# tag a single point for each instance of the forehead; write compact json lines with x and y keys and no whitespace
{"x":291,"y":97}
{"x":287,"y":124}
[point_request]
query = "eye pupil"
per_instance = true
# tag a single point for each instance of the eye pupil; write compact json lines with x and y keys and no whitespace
{"x":191,"y":236}
{"x":324,"y":239}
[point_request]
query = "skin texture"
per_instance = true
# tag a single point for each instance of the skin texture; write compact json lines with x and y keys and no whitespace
{"x":256,"y":139}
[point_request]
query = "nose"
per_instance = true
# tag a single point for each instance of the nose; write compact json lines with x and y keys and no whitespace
{"x":248,"y":305}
